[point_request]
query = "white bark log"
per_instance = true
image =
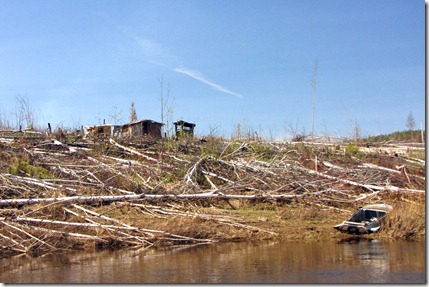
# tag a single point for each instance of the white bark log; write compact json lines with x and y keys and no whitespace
{"x":370,"y":187}
{"x":132,"y":151}
{"x":26,"y":233}
{"x":104,"y":226}
{"x":113,"y":198}
{"x":29,"y":180}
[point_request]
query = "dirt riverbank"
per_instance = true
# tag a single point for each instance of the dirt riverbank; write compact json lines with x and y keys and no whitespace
{"x":110,"y":193}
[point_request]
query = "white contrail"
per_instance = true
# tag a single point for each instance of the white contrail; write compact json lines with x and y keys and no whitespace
{"x":158,"y":55}
{"x":198,"y":76}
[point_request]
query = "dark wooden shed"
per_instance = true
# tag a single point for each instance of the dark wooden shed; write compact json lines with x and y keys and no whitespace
{"x":144,"y":128}
{"x":184,"y":128}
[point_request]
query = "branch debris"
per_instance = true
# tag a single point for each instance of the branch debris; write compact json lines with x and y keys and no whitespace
{"x":164,"y":194}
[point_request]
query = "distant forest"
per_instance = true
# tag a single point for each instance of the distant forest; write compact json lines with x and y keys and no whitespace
{"x":401,"y":136}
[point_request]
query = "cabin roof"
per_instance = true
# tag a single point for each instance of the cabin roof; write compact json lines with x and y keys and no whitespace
{"x":141,"y":121}
{"x":105,"y":125}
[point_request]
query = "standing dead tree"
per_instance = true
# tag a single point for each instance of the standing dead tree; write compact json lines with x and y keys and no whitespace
{"x":313,"y":83}
{"x":133,"y":113}
{"x":166,"y":107}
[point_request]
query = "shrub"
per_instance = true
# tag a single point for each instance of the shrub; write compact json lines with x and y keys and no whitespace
{"x":166,"y":177}
{"x":23,"y":166}
{"x":352,"y":150}
{"x":262,"y":151}
{"x":212,"y":146}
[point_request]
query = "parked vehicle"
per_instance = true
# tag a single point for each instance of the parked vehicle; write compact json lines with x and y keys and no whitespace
{"x":365,"y":220}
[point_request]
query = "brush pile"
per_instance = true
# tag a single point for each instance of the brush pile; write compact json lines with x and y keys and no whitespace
{"x":107,"y":193}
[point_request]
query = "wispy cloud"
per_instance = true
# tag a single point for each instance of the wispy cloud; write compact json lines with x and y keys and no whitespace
{"x":158,"y":55}
{"x":155,"y":52}
{"x":198,"y":76}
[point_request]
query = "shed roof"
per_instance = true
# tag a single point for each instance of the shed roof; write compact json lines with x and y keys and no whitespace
{"x":185,"y":124}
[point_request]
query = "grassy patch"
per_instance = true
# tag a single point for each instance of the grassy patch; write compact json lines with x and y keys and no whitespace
{"x":23,"y":166}
{"x":407,"y":221}
{"x":418,"y":154}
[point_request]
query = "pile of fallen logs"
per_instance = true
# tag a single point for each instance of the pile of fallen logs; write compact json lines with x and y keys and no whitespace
{"x":59,"y":196}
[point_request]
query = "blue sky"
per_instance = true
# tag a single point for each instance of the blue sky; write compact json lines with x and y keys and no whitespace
{"x":226,"y":63}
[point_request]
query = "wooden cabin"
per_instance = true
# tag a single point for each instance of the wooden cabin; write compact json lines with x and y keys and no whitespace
{"x":144,"y":128}
{"x":184,"y":128}
{"x":103,"y":130}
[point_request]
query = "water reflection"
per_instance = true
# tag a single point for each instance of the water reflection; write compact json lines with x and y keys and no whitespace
{"x":327,"y":262}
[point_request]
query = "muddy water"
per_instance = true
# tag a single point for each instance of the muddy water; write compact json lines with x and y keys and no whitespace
{"x":329,"y":262}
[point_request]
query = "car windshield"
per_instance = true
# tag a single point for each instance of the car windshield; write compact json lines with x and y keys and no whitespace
{"x":366,"y":215}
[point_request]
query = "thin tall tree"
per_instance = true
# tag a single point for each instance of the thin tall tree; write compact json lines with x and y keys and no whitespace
{"x":116,"y":115}
{"x":411,"y":123}
{"x":25,"y":113}
{"x":166,"y":105}
{"x":133,"y":113}
{"x":313,"y":83}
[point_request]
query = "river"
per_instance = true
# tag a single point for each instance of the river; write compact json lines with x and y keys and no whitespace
{"x":366,"y":261}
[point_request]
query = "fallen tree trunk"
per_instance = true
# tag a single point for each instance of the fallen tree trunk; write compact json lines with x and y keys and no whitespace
{"x":369,"y":187}
{"x":121,"y":233}
{"x":28,"y":234}
{"x":132,"y":151}
{"x":104,"y":226}
{"x":113,"y":198}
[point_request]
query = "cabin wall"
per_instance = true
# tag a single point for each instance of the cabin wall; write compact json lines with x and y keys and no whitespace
{"x":154,"y":130}
{"x":127,"y":131}
{"x":101,"y":131}
{"x":142,"y":129}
